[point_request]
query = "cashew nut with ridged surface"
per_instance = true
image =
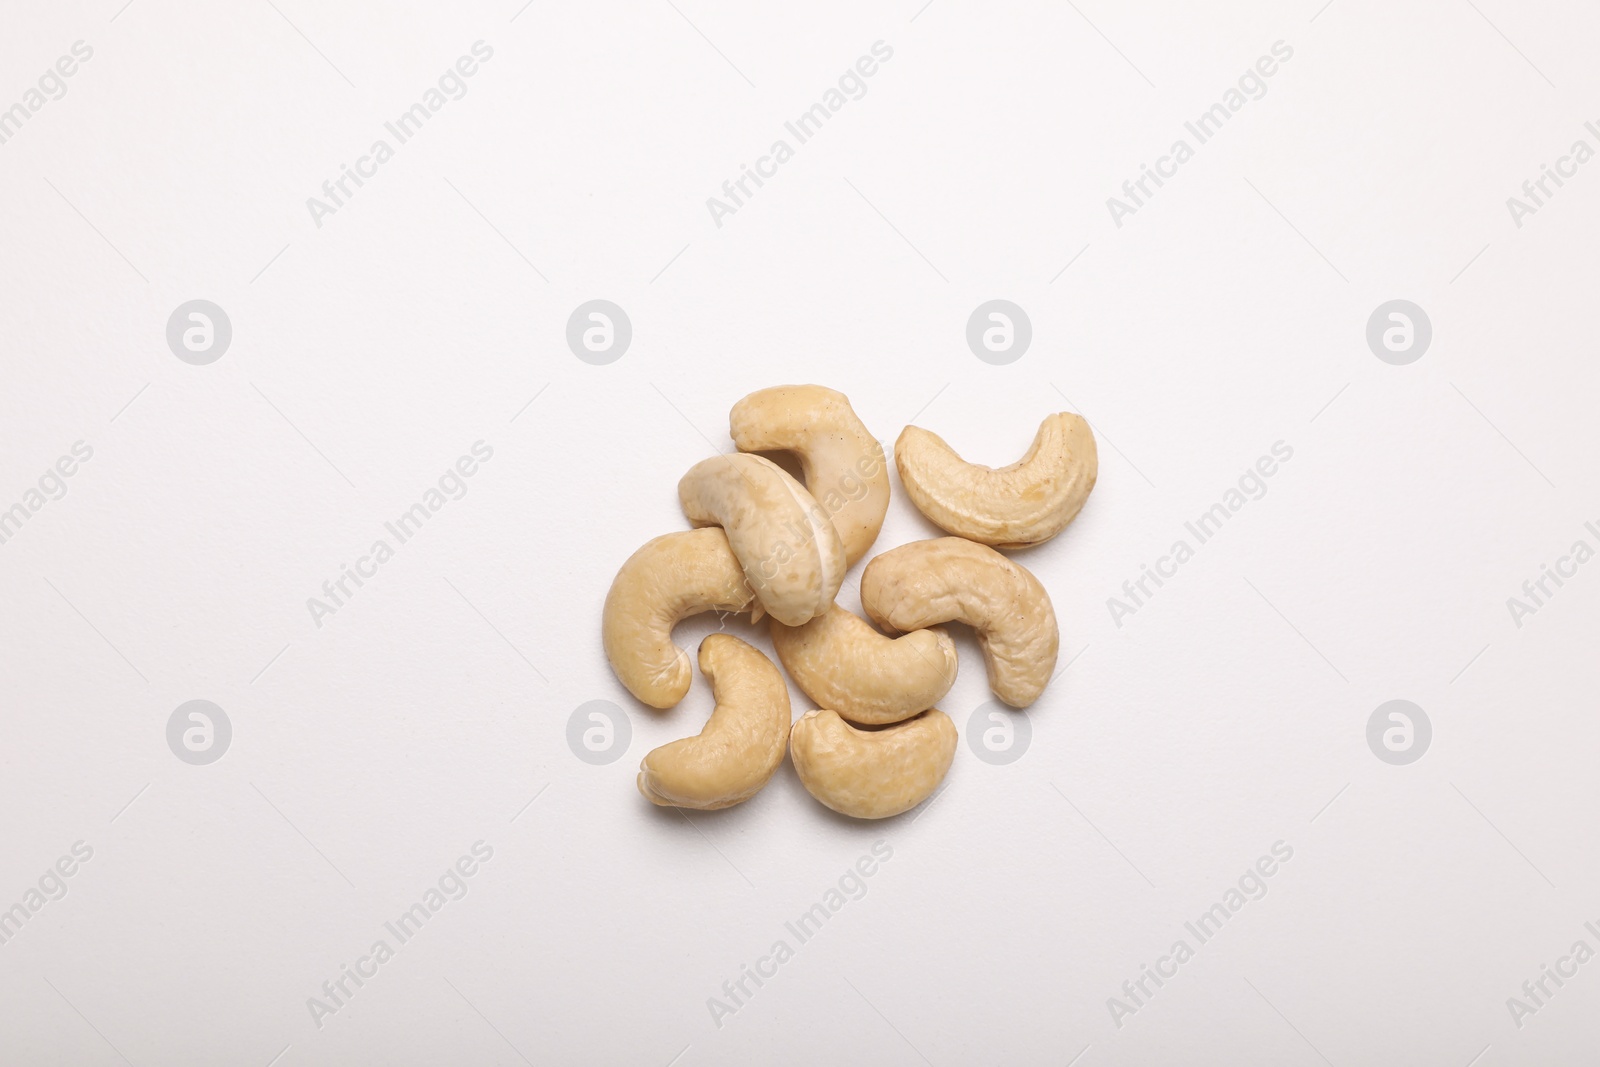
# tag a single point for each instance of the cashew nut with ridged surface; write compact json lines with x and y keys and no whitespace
{"x":1024,"y":504}
{"x":844,"y":664}
{"x":872,"y":774}
{"x":843,"y":464}
{"x":742,"y":743}
{"x":670,"y":578}
{"x":950,"y":579}
{"x":790,"y":552}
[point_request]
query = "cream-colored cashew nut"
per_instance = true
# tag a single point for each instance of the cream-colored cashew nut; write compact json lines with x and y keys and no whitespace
{"x":872,"y":774}
{"x":844,"y":664}
{"x":950,"y":579}
{"x":790,"y":552}
{"x":742,"y":743}
{"x":1011,"y":507}
{"x":843,"y":464}
{"x":670,"y":578}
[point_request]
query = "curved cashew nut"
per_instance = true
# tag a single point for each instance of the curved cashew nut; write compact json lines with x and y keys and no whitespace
{"x":670,"y":578}
{"x":742,"y":743}
{"x":844,"y":466}
{"x":1011,"y":507}
{"x":844,"y":664}
{"x":951,"y":579}
{"x":872,"y":774}
{"x":790,"y":552}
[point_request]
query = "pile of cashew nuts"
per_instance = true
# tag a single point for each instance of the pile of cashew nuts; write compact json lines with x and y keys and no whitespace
{"x":771,"y":546}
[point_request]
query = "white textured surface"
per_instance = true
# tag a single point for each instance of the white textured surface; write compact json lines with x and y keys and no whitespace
{"x":375,"y":750}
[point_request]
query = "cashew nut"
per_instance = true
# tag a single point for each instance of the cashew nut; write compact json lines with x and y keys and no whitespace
{"x":742,"y":743}
{"x":951,"y":579}
{"x":872,"y":774}
{"x":790,"y":552}
{"x":669,"y":579}
{"x":844,"y":664}
{"x":1024,"y":504}
{"x":843,"y":464}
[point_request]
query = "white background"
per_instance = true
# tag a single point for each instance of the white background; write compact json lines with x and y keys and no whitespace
{"x":1227,"y":714}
